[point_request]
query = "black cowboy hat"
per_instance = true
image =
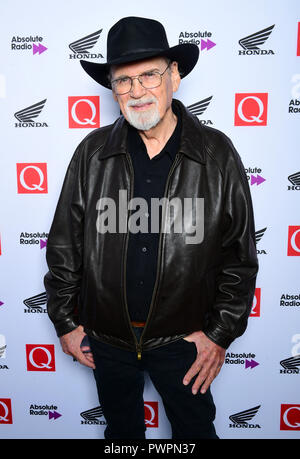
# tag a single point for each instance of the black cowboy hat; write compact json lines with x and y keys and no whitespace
{"x":132,"y":39}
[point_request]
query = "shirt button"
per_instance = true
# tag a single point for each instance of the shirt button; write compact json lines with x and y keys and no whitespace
{"x":144,"y":249}
{"x":148,"y":180}
{"x":141,"y":282}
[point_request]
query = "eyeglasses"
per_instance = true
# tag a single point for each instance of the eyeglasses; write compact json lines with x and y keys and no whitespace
{"x":149,"y":80}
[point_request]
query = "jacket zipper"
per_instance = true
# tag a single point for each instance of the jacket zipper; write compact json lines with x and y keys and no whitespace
{"x":137,"y":345}
{"x":139,"y":348}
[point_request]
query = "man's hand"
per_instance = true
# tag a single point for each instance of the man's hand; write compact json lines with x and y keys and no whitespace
{"x":70,"y":344}
{"x":208,"y":363}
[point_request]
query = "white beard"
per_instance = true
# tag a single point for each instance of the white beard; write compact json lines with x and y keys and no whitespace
{"x":143,"y":121}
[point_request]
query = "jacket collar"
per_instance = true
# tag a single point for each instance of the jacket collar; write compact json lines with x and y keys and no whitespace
{"x":191,"y":142}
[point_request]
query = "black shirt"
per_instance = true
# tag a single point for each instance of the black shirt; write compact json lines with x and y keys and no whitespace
{"x":150,"y":177}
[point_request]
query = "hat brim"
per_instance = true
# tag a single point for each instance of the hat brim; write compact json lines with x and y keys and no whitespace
{"x":186,"y":55}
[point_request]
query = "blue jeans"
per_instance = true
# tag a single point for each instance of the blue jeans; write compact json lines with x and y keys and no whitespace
{"x":119,"y":377}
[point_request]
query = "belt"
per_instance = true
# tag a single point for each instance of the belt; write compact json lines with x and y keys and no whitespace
{"x":138,"y":324}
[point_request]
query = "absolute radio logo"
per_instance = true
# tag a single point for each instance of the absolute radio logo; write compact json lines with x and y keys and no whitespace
{"x":5,"y":411}
{"x":290,"y":300}
{"x":81,"y":48}
{"x":290,"y":417}
{"x":251,"y":109}
{"x":40,"y":357}
{"x":198,"y":108}
{"x":84,"y":112}
{"x":293,"y":249}
{"x":294,"y":104}
{"x":251,"y":44}
{"x":254,"y":175}
{"x":200,"y":38}
{"x":246,"y":359}
{"x":37,"y":239}
{"x":32,"y":178}
{"x":48,"y":410}
{"x":26,"y":116}
{"x":29,"y":42}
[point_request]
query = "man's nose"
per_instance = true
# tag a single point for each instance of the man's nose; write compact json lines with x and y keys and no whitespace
{"x":137,"y":90}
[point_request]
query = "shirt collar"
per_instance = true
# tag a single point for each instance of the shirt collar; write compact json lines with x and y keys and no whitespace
{"x":135,"y":141}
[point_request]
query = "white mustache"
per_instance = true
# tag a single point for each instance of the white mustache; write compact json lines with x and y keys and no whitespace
{"x":138,"y":103}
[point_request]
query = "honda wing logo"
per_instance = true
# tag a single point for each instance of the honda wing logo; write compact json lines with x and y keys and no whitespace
{"x":81,"y":48}
{"x":295,"y":179}
{"x":259,"y":234}
{"x":199,"y":107}
{"x":2,"y":351}
{"x":28,"y":114}
{"x":292,"y":363}
{"x":36,"y":302}
{"x":240,"y":419}
{"x":251,"y":43}
{"x":93,"y":416}
{"x":83,"y":45}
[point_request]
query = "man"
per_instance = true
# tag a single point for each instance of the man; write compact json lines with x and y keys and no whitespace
{"x":163,"y":290}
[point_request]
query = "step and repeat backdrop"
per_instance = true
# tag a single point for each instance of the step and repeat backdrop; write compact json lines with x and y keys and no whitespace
{"x":246,"y":84}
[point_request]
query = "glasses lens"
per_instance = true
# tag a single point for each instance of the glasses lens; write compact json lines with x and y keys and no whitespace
{"x":150,"y":79}
{"x":122,"y":85}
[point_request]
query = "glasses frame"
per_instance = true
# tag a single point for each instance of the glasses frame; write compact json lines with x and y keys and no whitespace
{"x":137,"y":77}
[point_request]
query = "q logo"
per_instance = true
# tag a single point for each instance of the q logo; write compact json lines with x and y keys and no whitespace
{"x":290,"y":417}
{"x":151,"y":414}
{"x":255,"y":311}
{"x":40,"y":357}
{"x":294,"y":241}
{"x":5,"y":411}
{"x":32,"y":178}
{"x":251,"y":109}
{"x":84,"y":112}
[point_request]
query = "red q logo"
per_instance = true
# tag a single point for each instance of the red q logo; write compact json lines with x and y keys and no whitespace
{"x":151,"y":414}
{"x":84,"y":112}
{"x":251,"y":109}
{"x":40,"y":357}
{"x":5,"y":411}
{"x":290,"y":417}
{"x":294,"y":241}
{"x":32,"y":178}
{"x":255,"y":312}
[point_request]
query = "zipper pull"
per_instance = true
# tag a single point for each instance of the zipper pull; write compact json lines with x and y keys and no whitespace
{"x":139,"y":353}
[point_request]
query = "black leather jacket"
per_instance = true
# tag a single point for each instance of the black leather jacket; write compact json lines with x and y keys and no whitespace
{"x":207,"y":286}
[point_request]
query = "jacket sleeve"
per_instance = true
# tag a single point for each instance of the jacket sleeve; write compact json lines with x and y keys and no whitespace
{"x":65,"y":250}
{"x":235,"y":284}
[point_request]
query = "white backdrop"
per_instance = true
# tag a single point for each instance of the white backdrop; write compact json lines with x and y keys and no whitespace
{"x":253,"y":96}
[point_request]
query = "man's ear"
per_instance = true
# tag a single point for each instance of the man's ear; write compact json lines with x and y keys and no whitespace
{"x":114,"y":96}
{"x":176,"y":79}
